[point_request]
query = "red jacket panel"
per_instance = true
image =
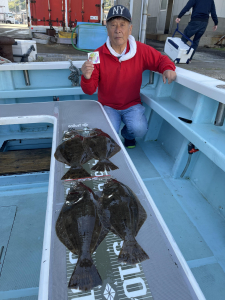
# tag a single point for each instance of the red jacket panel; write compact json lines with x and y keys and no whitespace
{"x":119,"y":83}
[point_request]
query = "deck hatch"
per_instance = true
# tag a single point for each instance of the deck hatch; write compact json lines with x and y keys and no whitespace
{"x":26,"y":144}
{"x":25,"y":161}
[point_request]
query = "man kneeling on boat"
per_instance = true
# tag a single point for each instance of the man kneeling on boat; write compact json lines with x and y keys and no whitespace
{"x":118,"y":76}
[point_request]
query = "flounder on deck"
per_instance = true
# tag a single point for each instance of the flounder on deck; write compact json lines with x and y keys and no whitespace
{"x":78,"y":227}
{"x":121,"y":212}
{"x":72,"y":153}
{"x":101,"y":147}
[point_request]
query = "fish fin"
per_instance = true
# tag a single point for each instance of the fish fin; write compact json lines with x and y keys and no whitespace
{"x":95,"y":202}
{"x":58,"y":155}
{"x":98,"y":193}
{"x":132,"y":253}
{"x":62,"y":234}
{"x":85,"y":276}
{"x":103,"y":217}
{"x":75,"y":173}
{"x":85,"y":158}
{"x":115,"y":150}
{"x":104,"y":165}
{"x":103,"y":233}
{"x":142,"y":216}
{"x":115,"y":232}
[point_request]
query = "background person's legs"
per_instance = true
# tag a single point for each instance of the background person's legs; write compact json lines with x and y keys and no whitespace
{"x":198,"y":36}
{"x":114,"y":117}
{"x":136,"y":124}
{"x":196,"y":28}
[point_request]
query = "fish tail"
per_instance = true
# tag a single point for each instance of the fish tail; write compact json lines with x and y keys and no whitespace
{"x":132,"y":253}
{"x":85,"y":276}
{"x":104,"y":165}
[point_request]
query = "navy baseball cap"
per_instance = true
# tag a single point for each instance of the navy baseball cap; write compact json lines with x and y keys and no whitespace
{"x":119,"y":11}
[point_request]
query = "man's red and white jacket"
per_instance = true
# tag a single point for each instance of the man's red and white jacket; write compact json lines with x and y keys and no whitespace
{"x":119,"y":80}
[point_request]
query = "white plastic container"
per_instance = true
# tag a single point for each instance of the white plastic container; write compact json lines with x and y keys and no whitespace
{"x":177,"y":50}
{"x":22,"y":47}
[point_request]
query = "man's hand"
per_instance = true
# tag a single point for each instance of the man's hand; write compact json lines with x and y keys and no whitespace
{"x":170,"y":75}
{"x":87,"y":69}
{"x":214,"y":28}
{"x":177,"y":20}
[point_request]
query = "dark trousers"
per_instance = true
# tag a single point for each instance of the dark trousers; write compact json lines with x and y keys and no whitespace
{"x":196,"y":28}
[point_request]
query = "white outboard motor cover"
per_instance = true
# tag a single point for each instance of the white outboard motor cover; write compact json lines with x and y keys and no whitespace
{"x":22,"y":47}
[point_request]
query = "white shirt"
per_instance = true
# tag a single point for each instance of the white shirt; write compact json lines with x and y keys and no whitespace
{"x":123,"y":56}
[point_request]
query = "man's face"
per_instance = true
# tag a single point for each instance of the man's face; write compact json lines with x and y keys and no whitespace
{"x":119,"y":30}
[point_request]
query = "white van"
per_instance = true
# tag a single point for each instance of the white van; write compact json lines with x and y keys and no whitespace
{"x":7,"y":18}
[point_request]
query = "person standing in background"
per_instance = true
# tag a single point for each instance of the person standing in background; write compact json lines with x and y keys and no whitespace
{"x":199,"y":20}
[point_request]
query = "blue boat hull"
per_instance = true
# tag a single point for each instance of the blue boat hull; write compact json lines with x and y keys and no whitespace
{"x":191,"y":205}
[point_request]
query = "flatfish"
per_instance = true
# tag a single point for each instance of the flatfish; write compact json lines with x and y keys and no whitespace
{"x":78,"y":227}
{"x":121,"y":212}
{"x":101,"y":147}
{"x":72,"y":153}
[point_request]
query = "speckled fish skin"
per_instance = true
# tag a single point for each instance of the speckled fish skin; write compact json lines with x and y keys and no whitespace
{"x":64,"y":238}
{"x":72,"y":153}
{"x":79,"y":228}
{"x":121,"y":212}
{"x":101,"y":147}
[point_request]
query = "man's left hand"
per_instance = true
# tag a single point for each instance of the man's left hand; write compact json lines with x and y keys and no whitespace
{"x":170,"y":75}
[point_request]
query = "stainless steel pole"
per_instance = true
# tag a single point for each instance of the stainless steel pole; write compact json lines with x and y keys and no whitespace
{"x":26,"y":77}
{"x":220,"y":116}
{"x":151,"y":77}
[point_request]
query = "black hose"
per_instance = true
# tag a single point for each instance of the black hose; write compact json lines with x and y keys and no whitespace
{"x":187,"y":165}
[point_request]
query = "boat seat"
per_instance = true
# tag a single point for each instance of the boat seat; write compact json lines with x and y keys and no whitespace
{"x":202,"y":132}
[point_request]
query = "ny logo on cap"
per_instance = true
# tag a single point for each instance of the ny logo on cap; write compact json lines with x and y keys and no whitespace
{"x":116,"y":10}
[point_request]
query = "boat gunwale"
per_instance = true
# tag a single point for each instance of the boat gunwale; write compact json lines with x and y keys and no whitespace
{"x":197,"y":82}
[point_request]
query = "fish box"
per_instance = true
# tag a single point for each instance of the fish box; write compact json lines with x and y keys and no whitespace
{"x":91,"y":36}
{"x":22,"y":47}
{"x":177,"y":50}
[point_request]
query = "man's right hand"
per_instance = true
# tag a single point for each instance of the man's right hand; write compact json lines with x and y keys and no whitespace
{"x":177,"y":20}
{"x":87,"y":69}
{"x":214,"y":28}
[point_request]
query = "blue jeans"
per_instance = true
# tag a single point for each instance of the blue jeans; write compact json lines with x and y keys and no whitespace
{"x":136,"y":124}
{"x":196,"y":28}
